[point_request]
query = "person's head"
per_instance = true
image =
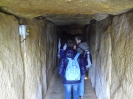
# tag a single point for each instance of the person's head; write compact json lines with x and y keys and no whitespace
{"x":79,"y":38}
{"x":64,"y":34}
{"x":71,"y":43}
{"x":64,"y":37}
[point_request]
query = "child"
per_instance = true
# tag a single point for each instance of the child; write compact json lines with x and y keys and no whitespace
{"x":83,"y":49}
{"x":70,"y":85}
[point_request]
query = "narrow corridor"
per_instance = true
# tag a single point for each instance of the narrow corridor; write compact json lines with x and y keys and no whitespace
{"x":56,"y":91}
{"x":29,"y":34}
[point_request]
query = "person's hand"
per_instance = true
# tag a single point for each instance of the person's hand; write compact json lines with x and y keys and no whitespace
{"x":74,"y":47}
{"x":88,"y":66}
{"x":58,"y":55}
{"x":64,"y":47}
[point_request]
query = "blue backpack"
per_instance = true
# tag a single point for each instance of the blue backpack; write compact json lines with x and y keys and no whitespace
{"x":73,"y":70}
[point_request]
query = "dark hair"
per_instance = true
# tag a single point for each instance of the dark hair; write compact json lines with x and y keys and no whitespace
{"x":64,"y":34}
{"x":80,"y":37}
{"x":71,"y":37}
{"x":64,"y":37}
{"x":70,"y":43}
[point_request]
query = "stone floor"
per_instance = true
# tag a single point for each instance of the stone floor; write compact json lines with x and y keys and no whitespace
{"x":56,"y":91}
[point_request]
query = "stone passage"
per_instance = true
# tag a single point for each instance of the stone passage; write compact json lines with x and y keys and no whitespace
{"x":56,"y":90}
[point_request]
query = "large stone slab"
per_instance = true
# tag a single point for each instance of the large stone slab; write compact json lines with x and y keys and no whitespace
{"x":11,"y":61}
{"x":63,"y":10}
{"x":111,"y":47}
{"x":122,"y":64}
{"x":26,"y":66}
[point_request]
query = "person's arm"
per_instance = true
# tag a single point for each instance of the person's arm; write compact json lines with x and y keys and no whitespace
{"x":61,"y":67}
{"x":59,"y":45}
{"x":82,"y":66}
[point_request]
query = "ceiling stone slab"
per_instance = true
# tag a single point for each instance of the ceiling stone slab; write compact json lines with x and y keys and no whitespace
{"x":70,"y":19}
{"x":34,"y":8}
{"x":66,"y":12}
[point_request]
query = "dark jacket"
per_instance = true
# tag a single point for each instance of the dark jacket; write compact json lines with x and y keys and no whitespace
{"x":70,"y":53}
{"x":82,"y":47}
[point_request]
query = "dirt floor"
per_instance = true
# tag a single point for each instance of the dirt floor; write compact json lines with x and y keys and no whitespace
{"x":56,"y":91}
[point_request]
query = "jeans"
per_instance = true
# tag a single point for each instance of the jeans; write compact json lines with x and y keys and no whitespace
{"x":69,"y":89}
{"x":81,"y":86}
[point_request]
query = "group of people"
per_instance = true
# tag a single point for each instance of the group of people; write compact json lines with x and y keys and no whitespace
{"x":74,"y":59}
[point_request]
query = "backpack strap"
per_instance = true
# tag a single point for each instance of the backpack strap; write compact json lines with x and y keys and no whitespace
{"x":76,"y":56}
{"x":85,"y":51}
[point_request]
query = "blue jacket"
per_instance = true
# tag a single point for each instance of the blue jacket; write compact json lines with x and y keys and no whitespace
{"x":70,"y":53}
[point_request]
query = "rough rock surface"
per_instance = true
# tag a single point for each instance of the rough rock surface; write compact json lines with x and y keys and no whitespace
{"x":111,"y":46}
{"x":40,"y":7}
{"x":11,"y":61}
{"x":72,"y":19}
{"x":23,"y":66}
{"x":94,"y":9}
{"x":51,"y":51}
{"x":122,"y":57}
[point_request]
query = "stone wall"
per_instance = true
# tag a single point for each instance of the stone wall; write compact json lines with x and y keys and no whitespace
{"x":111,"y":47}
{"x":122,"y":57}
{"x":51,"y":51}
{"x":34,"y":53}
{"x":100,"y":48}
{"x":24,"y":66}
{"x":11,"y":61}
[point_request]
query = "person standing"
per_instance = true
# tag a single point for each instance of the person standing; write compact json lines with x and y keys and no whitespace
{"x":83,"y":49}
{"x":71,"y":84}
{"x":62,"y":43}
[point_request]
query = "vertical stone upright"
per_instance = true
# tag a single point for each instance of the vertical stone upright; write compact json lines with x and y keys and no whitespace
{"x":103,"y":67}
{"x":51,"y":50}
{"x":34,"y":59}
{"x":90,"y":39}
{"x":100,"y":48}
{"x":26,"y":66}
{"x":11,"y":61}
{"x":40,"y":60}
{"x":111,"y":48}
{"x":122,"y":56}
